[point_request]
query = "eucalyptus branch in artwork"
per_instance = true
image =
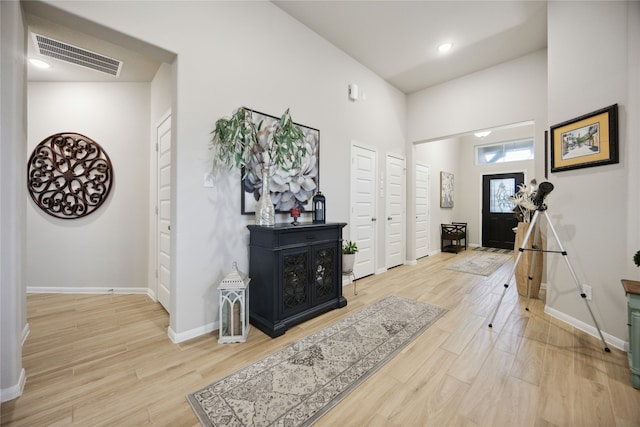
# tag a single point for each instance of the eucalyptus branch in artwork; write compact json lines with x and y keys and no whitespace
{"x":255,"y":142}
{"x":239,"y":142}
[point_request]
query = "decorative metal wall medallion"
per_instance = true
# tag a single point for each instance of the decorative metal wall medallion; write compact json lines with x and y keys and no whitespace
{"x":69,"y":175}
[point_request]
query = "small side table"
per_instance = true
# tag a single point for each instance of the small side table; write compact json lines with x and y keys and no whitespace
{"x":632,"y":289}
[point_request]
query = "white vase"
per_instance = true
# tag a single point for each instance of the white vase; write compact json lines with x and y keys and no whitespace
{"x":265,"y":212}
{"x":347,"y":262}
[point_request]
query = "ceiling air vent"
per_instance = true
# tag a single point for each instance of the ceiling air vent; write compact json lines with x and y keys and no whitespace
{"x":75,"y":55}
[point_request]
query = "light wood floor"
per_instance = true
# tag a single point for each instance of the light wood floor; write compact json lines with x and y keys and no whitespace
{"x":94,"y":360}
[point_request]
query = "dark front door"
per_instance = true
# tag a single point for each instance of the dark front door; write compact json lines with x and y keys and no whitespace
{"x":497,"y":215}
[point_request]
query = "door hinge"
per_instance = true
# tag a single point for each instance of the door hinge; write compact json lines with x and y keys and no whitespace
{"x":156,"y":209}
{"x":156,"y":147}
{"x":156,"y":273}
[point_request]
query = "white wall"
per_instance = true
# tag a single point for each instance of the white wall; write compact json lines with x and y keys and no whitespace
{"x":508,"y":93}
{"x":253,"y":54}
{"x":13,"y":136}
{"x":108,"y":248}
{"x":589,"y":70}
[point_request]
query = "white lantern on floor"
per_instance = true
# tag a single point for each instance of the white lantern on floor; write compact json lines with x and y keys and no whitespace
{"x":234,"y":307}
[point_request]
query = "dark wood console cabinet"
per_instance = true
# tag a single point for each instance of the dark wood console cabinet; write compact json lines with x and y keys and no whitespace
{"x":296,"y":274}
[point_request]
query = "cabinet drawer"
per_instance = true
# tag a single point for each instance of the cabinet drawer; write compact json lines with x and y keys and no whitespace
{"x":306,"y":237}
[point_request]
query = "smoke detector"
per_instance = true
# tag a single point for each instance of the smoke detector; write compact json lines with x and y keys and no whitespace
{"x":75,"y":55}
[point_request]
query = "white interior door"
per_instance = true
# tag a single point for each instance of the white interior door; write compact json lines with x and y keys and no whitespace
{"x":394,"y":225}
{"x":363,"y":208}
{"x":163,"y":211}
{"x":422,"y":210}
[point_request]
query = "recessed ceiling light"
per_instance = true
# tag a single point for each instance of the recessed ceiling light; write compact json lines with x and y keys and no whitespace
{"x":445,"y":47}
{"x":38,"y":63}
{"x":482,"y":134}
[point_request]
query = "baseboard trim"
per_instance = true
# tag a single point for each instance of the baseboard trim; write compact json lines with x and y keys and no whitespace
{"x":152,"y":295}
{"x":177,"y":338}
{"x":587,"y":328}
{"x":15,"y":390}
{"x":25,"y":333}
{"x":87,"y":290}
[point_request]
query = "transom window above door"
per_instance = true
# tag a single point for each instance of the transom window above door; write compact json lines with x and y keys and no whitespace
{"x":502,"y":152}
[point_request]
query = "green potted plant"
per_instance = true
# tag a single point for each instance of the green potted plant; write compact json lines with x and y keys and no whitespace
{"x":349,"y":250}
{"x":239,"y":142}
{"x":636,"y":258}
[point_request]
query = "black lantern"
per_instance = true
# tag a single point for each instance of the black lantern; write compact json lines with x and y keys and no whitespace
{"x":319,"y":211}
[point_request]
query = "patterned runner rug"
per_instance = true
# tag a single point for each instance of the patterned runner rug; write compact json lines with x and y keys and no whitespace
{"x":298,"y":384}
{"x":482,"y":263}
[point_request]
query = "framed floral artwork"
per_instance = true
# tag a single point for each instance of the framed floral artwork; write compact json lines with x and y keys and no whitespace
{"x":446,"y":189}
{"x":289,"y":189}
{"x":586,"y":141}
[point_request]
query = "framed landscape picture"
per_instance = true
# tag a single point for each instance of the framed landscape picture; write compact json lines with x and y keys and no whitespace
{"x":446,"y":189}
{"x":288,"y":188}
{"x":586,"y":141}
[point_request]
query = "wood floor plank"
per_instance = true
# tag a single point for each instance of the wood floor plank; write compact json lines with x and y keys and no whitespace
{"x":592,"y":405}
{"x":529,"y":362}
{"x":433,"y":398}
{"x":467,"y":365}
{"x":463,"y":334}
{"x":625,"y":400}
{"x":559,"y":388}
{"x":106,"y":360}
{"x":522,"y":397}
{"x":483,"y":398}
{"x":537,"y":329}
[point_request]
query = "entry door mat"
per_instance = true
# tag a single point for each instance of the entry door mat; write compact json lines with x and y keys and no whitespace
{"x":297,"y":385}
{"x":483,"y":263}
{"x":494,"y":250}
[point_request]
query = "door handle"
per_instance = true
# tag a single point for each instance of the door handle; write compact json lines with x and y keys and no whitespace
{"x":389,"y":218}
{"x":373,"y":219}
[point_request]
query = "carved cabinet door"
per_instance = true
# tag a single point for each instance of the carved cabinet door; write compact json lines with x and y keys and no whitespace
{"x":295,"y":293}
{"x":324,"y":272}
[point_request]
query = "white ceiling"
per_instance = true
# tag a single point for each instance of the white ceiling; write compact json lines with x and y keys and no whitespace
{"x":395,"y":39}
{"x":398,"y":39}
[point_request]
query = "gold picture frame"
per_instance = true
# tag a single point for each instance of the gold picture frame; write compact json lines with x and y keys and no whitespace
{"x":586,"y":141}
